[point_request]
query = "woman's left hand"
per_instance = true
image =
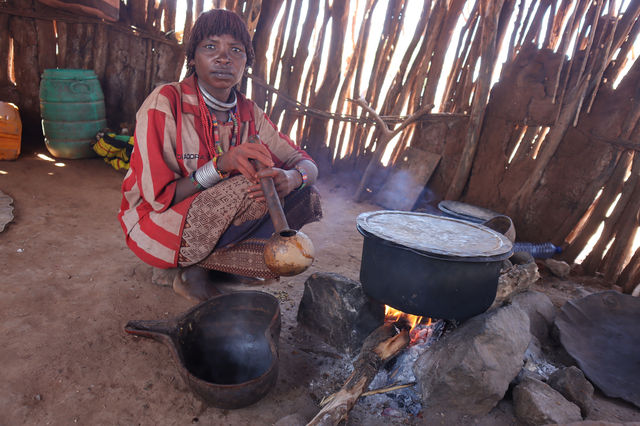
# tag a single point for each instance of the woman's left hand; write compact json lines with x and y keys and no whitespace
{"x":284,"y":181}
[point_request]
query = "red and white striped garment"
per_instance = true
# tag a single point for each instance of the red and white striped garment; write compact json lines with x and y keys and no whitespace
{"x":169,"y":144}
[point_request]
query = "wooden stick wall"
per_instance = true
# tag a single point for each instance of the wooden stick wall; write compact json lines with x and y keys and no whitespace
{"x":553,"y":135}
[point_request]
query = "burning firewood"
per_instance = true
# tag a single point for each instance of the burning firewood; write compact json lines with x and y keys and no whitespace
{"x":381,"y":345}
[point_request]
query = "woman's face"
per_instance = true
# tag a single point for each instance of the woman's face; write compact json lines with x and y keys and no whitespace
{"x":220,"y":61}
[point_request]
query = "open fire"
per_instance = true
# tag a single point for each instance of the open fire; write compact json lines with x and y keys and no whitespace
{"x":418,"y":326}
{"x":383,"y":368}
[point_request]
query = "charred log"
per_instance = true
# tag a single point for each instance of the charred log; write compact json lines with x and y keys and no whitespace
{"x":380,"y":346}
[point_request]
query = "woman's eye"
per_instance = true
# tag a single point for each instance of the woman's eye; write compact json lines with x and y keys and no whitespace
{"x":209,"y":46}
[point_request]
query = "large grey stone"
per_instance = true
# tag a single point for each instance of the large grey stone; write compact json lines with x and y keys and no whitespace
{"x":541,"y":312}
{"x":336,"y":309}
{"x":572,"y":384}
{"x":469,"y":370}
{"x":536,"y":403}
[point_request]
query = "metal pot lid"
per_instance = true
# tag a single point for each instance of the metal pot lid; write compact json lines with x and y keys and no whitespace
{"x":466,"y":211}
{"x":435,"y":234}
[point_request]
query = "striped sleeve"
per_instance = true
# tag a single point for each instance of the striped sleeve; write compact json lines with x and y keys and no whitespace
{"x":155,"y":135}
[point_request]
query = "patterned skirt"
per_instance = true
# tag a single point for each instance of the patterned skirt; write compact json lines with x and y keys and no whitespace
{"x":225,"y":230}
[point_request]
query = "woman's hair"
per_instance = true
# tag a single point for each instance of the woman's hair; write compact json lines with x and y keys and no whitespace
{"x":217,"y":22}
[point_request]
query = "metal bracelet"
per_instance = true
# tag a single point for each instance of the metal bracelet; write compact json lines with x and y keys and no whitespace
{"x":207,"y":175}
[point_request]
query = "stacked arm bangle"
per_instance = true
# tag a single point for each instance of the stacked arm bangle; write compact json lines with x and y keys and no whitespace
{"x":207,"y":175}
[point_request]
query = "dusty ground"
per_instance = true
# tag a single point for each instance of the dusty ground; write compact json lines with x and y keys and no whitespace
{"x":70,"y":284}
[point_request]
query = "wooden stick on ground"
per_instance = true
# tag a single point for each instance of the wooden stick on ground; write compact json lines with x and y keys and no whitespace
{"x":329,"y":398}
{"x":380,"y":346}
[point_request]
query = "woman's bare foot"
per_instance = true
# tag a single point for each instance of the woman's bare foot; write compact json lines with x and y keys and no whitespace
{"x":194,"y":284}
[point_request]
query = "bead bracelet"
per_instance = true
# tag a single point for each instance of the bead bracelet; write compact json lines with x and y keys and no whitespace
{"x":304,"y":175}
{"x":193,"y":179}
{"x":215,"y":165}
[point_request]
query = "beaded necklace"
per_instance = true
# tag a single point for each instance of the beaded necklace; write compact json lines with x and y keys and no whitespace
{"x":211,"y":127}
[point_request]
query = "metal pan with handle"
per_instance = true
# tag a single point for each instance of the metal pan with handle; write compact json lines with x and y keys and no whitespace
{"x":226,"y":348}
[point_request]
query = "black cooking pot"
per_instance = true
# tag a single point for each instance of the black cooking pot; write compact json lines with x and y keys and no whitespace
{"x":430,"y":265}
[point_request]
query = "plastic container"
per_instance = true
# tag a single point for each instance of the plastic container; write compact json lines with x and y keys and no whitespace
{"x":10,"y":131}
{"x":537,"y":250}
{"x":73,"y":111}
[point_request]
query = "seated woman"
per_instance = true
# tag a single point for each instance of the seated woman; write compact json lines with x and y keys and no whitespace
{"x":192,"y":197}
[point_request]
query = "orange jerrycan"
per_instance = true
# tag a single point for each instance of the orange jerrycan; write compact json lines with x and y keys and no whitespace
{"x":10,"y":131}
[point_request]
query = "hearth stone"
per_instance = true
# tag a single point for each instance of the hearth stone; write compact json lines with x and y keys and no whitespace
{"x":513,"y":280}
{"x":336,"y":309}
{"x":572,"y":384}
{"x":536,"y":403}
{"x":541,"y":312}
{"x":469,"y":370}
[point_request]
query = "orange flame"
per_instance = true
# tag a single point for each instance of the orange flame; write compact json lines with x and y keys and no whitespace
{"x":416,"y":335}
{"x":392,"y":315}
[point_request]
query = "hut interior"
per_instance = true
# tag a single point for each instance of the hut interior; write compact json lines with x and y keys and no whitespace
{"x":516,"y":108}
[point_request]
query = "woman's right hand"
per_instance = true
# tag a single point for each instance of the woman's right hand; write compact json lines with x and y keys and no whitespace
{"x":237,"y":159}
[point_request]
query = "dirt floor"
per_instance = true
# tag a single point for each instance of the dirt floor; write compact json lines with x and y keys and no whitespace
{"x":70,"y":284}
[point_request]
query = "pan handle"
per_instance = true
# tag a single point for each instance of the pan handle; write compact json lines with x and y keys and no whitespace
{"x":153,"y":329}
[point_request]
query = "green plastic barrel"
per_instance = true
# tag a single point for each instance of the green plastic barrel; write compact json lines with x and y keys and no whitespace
{"x":73,"y":111}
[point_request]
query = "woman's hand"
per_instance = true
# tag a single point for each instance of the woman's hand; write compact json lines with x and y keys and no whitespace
{"x":285,"y":182}
{"x":237,"y":159}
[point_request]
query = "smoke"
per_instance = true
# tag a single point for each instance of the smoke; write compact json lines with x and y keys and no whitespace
{"x":401,"y":190}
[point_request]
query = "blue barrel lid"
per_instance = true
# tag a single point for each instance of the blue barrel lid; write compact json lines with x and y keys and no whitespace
{"x":440,"y":235}
{"x":68,"y":74}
